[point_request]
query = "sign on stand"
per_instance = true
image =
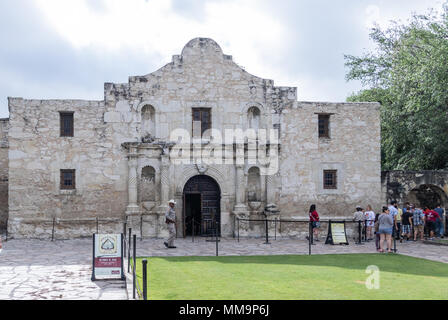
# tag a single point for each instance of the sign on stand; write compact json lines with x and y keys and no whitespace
{"x":336,"y":233}
{"x":107,"y":257}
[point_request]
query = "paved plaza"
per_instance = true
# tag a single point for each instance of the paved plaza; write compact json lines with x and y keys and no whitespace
{"x":61,"y":270}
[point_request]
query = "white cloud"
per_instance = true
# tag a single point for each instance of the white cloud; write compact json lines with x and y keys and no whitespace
{"x":154,"y":27}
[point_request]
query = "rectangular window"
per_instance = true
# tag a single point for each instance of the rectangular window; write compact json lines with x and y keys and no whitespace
{"x":68,"y":179}
{"x":66,"y":124}
{"x":330,"y":179}
{"x":202,"y":121}
{"x":324,"y":126}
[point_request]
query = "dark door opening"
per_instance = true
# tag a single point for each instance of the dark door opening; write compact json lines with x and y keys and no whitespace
{"x":202,"y":198}
{"x":193,"y":214}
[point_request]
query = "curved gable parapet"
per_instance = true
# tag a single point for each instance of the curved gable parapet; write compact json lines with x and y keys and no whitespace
{"x":200,"y":48}
{"x":200,"y":51}
{"x":202,"y":72}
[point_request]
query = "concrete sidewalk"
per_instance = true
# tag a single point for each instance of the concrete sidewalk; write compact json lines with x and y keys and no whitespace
{"x":45,"y":270}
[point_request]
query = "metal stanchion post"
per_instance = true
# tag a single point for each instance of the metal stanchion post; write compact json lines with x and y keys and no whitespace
{"x":267,"y":234}
{"x":312,"y":234}
{"x":124,"y":239}
{"x":216,"y":239}
{"x":234,"y":223}
{"x":141,"y":227}
{"x":192,"y":227}
{"x":134,"y":265}
{"x":309,"y":237}
{"x":129,"y":249}
{"x":275,"y":229}
{"x":238,"y":229}
{"x":145,"y":289}
{"x":97,"y":226}
{"x":365,"y":230}
{"x":395,"y":245}
{"x":52,"y":232}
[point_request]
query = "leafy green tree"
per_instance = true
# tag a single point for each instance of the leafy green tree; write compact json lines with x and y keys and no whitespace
{"x":408,"y":75}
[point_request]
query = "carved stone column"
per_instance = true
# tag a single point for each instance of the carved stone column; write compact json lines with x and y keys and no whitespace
{"x":164,"y":194}
{"x":164,"y":181}
{"x":271,"y":190}
{"x":239,"y":189}
{"x":270,"y":196}
{"x":132,"y":207}
{"x":240,"y":211}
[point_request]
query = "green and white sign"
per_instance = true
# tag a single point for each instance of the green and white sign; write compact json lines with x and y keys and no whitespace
{"x":107,"y":257}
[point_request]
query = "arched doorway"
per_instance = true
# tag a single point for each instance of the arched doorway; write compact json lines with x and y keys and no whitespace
{"x":427,"y":195}
{"x":202,"y":206}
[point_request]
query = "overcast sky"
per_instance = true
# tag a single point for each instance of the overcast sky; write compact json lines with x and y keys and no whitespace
{"x":67,"y":49}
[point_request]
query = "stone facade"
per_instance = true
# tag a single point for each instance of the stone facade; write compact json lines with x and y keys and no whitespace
{"x":122,"y":151}
{"x":353,"y":150}
{"x":424,"y":188}
{"x":4,"y":126}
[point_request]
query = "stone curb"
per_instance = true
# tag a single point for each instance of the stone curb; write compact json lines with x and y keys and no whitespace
{"x":434,"y":243}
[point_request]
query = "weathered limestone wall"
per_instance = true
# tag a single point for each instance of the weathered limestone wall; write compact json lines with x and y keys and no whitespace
{"x":353,"y":150}
{"x":37,"y":153}
{"x":4,"y":126}
{"x":201,"y":77}
{"x":109,"y":153}
{"x":418,"y":187}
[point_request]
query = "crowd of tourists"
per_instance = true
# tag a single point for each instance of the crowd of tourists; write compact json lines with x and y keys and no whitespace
{"x":407,"y":223}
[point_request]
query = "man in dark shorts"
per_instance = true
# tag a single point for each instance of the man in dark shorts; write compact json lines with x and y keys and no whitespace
{"x":406,"y":223}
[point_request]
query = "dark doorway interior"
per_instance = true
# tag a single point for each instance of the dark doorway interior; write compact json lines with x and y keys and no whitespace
{"x":202,"y":198}
{"x":192,"y":214}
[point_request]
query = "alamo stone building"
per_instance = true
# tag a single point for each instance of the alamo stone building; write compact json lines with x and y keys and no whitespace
{"x":113,"y":159}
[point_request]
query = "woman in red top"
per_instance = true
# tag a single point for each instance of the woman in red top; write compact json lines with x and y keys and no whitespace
{"x":315,"y":221}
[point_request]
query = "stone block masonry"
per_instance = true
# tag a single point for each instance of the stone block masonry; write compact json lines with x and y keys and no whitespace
{"x":119,"y":159}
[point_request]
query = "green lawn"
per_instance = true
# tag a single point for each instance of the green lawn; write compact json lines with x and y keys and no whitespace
{"x":290,"y":277}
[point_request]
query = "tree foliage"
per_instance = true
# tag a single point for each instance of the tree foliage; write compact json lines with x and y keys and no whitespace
{"x":408,"y":75}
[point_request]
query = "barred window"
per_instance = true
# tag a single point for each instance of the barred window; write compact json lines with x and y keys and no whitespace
{"x":324,"y":126}
{"x":66,"y":120}
{"x":68,"y":179}
{"x":330,"y":179}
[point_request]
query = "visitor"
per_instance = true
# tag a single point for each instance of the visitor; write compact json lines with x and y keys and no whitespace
{"x":426,"y":228}
{"x":406,"y":221}
{"x":431,"y":219}
{"x":377,"y":232}
{"x":369,"y":217}
{"x":397,"y":223}
{"x":315,"y":222}
{"x":358,"y":218}
{"x":170,"y":220}
{"x":418,"y":219}
{"x":393,"y":210}
{"x":439,"y":223}
{"x":386,"y":224}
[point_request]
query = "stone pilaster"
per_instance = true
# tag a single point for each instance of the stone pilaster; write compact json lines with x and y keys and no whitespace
{"x":271,"y":193}
{"x":132,"y":208}
{"x":239,"y":189}
{"x":164,"y":181}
